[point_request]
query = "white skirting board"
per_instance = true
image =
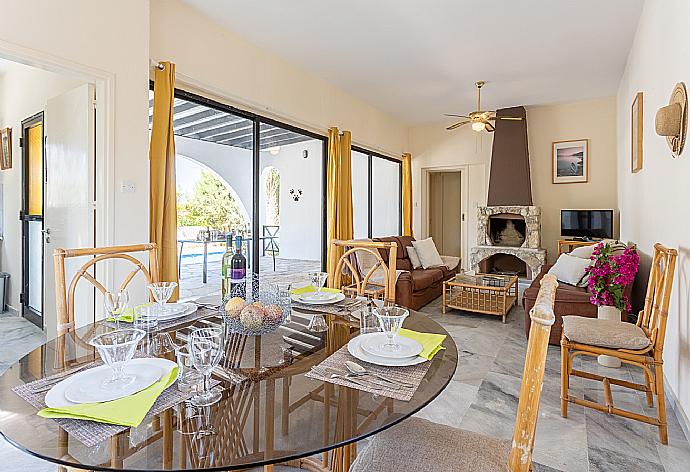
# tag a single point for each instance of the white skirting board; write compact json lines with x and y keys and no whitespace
{"x":672,"y":401}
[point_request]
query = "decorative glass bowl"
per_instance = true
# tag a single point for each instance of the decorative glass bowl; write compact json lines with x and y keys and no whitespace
{"x":255,"y":308}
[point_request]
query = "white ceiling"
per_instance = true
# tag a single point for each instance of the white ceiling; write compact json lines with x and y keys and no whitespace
{"x":418,"y":59}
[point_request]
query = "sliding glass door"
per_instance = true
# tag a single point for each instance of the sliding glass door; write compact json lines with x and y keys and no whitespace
{"x":243,"y":175}
{"x":376,"y":199}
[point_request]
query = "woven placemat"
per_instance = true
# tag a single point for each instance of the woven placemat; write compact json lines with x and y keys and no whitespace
{"x":91,"y":433}
{"x":412,"y":374}
{"x":341,"y":308}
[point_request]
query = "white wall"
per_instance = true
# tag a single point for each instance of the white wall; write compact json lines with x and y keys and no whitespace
{"x":654,"y":202}
{"x":300,"y":221}
{"x":24,"y":92}
{"x":223,"y":64}
{"x":434,"y":149}
{"x":111,"y":40}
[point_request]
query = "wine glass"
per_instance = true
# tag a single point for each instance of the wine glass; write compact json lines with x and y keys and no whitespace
{"x":206,"y":346}
{"x":115,"y":304}
{"x":318,"y":279}
{"x":391,"y":319}
{"x":162,"y":291}
{"x":116,"y":348}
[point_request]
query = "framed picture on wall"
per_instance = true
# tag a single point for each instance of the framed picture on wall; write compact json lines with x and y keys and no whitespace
{"x":570,"y":161}
{"x":6,"y":148}
{"x":636,"y":134}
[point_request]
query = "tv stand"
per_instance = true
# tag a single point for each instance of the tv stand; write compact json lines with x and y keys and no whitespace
{"x":567,"y":245}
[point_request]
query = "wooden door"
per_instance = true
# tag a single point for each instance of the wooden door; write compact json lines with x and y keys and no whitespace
{"x":445,"y":212}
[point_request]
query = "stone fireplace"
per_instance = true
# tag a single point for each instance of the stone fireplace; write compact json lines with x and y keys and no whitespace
{"x":508,"y":241}
{"x":509,"y":228}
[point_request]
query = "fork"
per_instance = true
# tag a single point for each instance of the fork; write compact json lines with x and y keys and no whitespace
{"x":364,"y":384}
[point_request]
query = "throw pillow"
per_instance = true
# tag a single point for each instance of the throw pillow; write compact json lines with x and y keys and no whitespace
{"x":569,"y":269}
{"x":583,"y":252}
{"x":427,"y":253}
{"x":414,"y":258}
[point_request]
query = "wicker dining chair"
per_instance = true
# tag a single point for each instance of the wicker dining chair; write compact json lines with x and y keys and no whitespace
{"x":361,"y":277}
{"x":64,"y":295}
{"x":433,"y":446}
{"x":640,"y":344}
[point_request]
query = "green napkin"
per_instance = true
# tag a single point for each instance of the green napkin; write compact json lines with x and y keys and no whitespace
{"x":127,"y":411}
{"x":131,"y":313}
{"x":310,"y":288}
{"x":431,"y":343}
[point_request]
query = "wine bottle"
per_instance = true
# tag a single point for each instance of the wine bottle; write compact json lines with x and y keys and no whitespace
{"x":238,"y":271}
{"x":225,"y":267}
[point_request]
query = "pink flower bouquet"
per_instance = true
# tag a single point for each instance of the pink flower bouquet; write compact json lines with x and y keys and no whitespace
{"x":610,"y":274}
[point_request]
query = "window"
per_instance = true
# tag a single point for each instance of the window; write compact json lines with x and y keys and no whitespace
{"x":376,"y":199}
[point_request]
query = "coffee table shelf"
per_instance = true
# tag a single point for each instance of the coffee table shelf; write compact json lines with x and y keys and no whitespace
{"x":490,"y":294}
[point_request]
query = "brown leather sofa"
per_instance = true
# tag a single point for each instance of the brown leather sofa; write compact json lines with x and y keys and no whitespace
{"x":415,"y":287}
{"x":570,"y":300}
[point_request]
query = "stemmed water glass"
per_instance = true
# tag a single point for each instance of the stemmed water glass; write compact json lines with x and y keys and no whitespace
{"x":318,"y":279}
{"x":162,"y":291}
{"x":206,"y":347}
{"x":391,"y":319}
{"x":115,"y":304}
{"x":116,"y":348}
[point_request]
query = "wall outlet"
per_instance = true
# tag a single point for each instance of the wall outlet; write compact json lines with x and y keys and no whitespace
{"x":128,"y":187}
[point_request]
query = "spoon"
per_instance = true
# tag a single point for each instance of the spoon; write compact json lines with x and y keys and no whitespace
{"x":361,"y":370}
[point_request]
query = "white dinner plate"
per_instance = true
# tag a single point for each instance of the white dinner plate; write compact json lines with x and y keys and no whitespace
{"x":173,"y":311}
{"x":338,"y":298}
{"x":356,"y":350}
{"x":406,"y":347}
{"x":55,"y":398}
{"x":316,"y":296}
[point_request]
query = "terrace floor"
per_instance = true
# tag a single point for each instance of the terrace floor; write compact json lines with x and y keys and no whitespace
{"x":286,"y":270}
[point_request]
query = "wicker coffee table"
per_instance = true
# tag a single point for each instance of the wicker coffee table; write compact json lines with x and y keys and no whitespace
{"x":491,"y":294}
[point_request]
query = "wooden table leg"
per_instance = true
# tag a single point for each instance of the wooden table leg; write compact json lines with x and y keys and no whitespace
{"x":167,"y":424}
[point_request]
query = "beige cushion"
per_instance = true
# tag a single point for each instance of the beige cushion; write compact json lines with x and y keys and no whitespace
{"x":583,"y":252}
{"x":414,"y":258}
{"x":419,"y":445}
{"x":604,"y":333}
{"x":427,"y":253}
{"x":569,"y":269}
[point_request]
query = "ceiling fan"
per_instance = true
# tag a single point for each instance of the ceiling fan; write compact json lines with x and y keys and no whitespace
{"x":481,"y":120}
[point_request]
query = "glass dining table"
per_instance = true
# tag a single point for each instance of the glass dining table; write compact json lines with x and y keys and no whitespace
{"x":270,"y":412}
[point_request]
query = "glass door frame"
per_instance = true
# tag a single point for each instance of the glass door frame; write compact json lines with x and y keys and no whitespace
{"x":370,"y":185}
{"x":257,"y":121}
{"x":25,"y":218}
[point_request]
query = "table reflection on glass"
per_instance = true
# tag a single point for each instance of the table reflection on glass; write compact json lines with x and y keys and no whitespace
{"x":269,"y":412}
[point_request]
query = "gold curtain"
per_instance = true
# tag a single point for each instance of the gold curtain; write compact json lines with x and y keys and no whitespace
{"x":406,"y":194}
{"x":339,"y":195}
{"x":163,"y":198}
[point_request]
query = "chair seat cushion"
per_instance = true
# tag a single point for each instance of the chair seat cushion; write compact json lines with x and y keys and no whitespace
{"x":604,"y":333}
{"x":418,"y":445}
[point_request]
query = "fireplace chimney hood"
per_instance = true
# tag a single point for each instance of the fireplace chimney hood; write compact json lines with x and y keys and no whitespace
{"x":509,"y":179}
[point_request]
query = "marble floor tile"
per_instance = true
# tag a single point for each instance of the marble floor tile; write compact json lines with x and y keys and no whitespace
{"x":451,"y":405}
{"x":607,"y":460}
{"x":563,"y":448}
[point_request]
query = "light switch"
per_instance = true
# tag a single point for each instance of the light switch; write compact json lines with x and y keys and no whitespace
{"x":128,"y":187}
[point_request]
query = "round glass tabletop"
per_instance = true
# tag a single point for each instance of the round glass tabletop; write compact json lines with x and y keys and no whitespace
{"x":270,"y":412}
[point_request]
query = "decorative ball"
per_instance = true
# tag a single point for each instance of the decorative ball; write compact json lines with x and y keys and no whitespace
{"x":252,"y":317}
{"x":258,"y":303}
{"x":234,"y":307}
{"x":273,"y":313}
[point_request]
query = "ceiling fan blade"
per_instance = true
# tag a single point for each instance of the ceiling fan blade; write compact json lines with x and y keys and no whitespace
{"x":456,"y":125}
{"x":489,"y":127}
{"x":459,"y":116}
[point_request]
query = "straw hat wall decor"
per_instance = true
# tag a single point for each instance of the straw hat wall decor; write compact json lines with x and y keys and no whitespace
{"x":672,"y":120}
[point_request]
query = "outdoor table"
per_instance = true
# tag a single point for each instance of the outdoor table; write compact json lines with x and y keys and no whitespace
{"x":270,"y":411}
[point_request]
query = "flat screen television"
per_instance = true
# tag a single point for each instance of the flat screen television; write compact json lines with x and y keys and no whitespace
{"x":587,"y":223}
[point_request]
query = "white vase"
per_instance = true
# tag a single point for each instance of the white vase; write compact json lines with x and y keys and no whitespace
{"x":605,"y":312}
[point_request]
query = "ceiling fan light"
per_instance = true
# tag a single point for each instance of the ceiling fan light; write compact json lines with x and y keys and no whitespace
{"x":478,"y":126}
